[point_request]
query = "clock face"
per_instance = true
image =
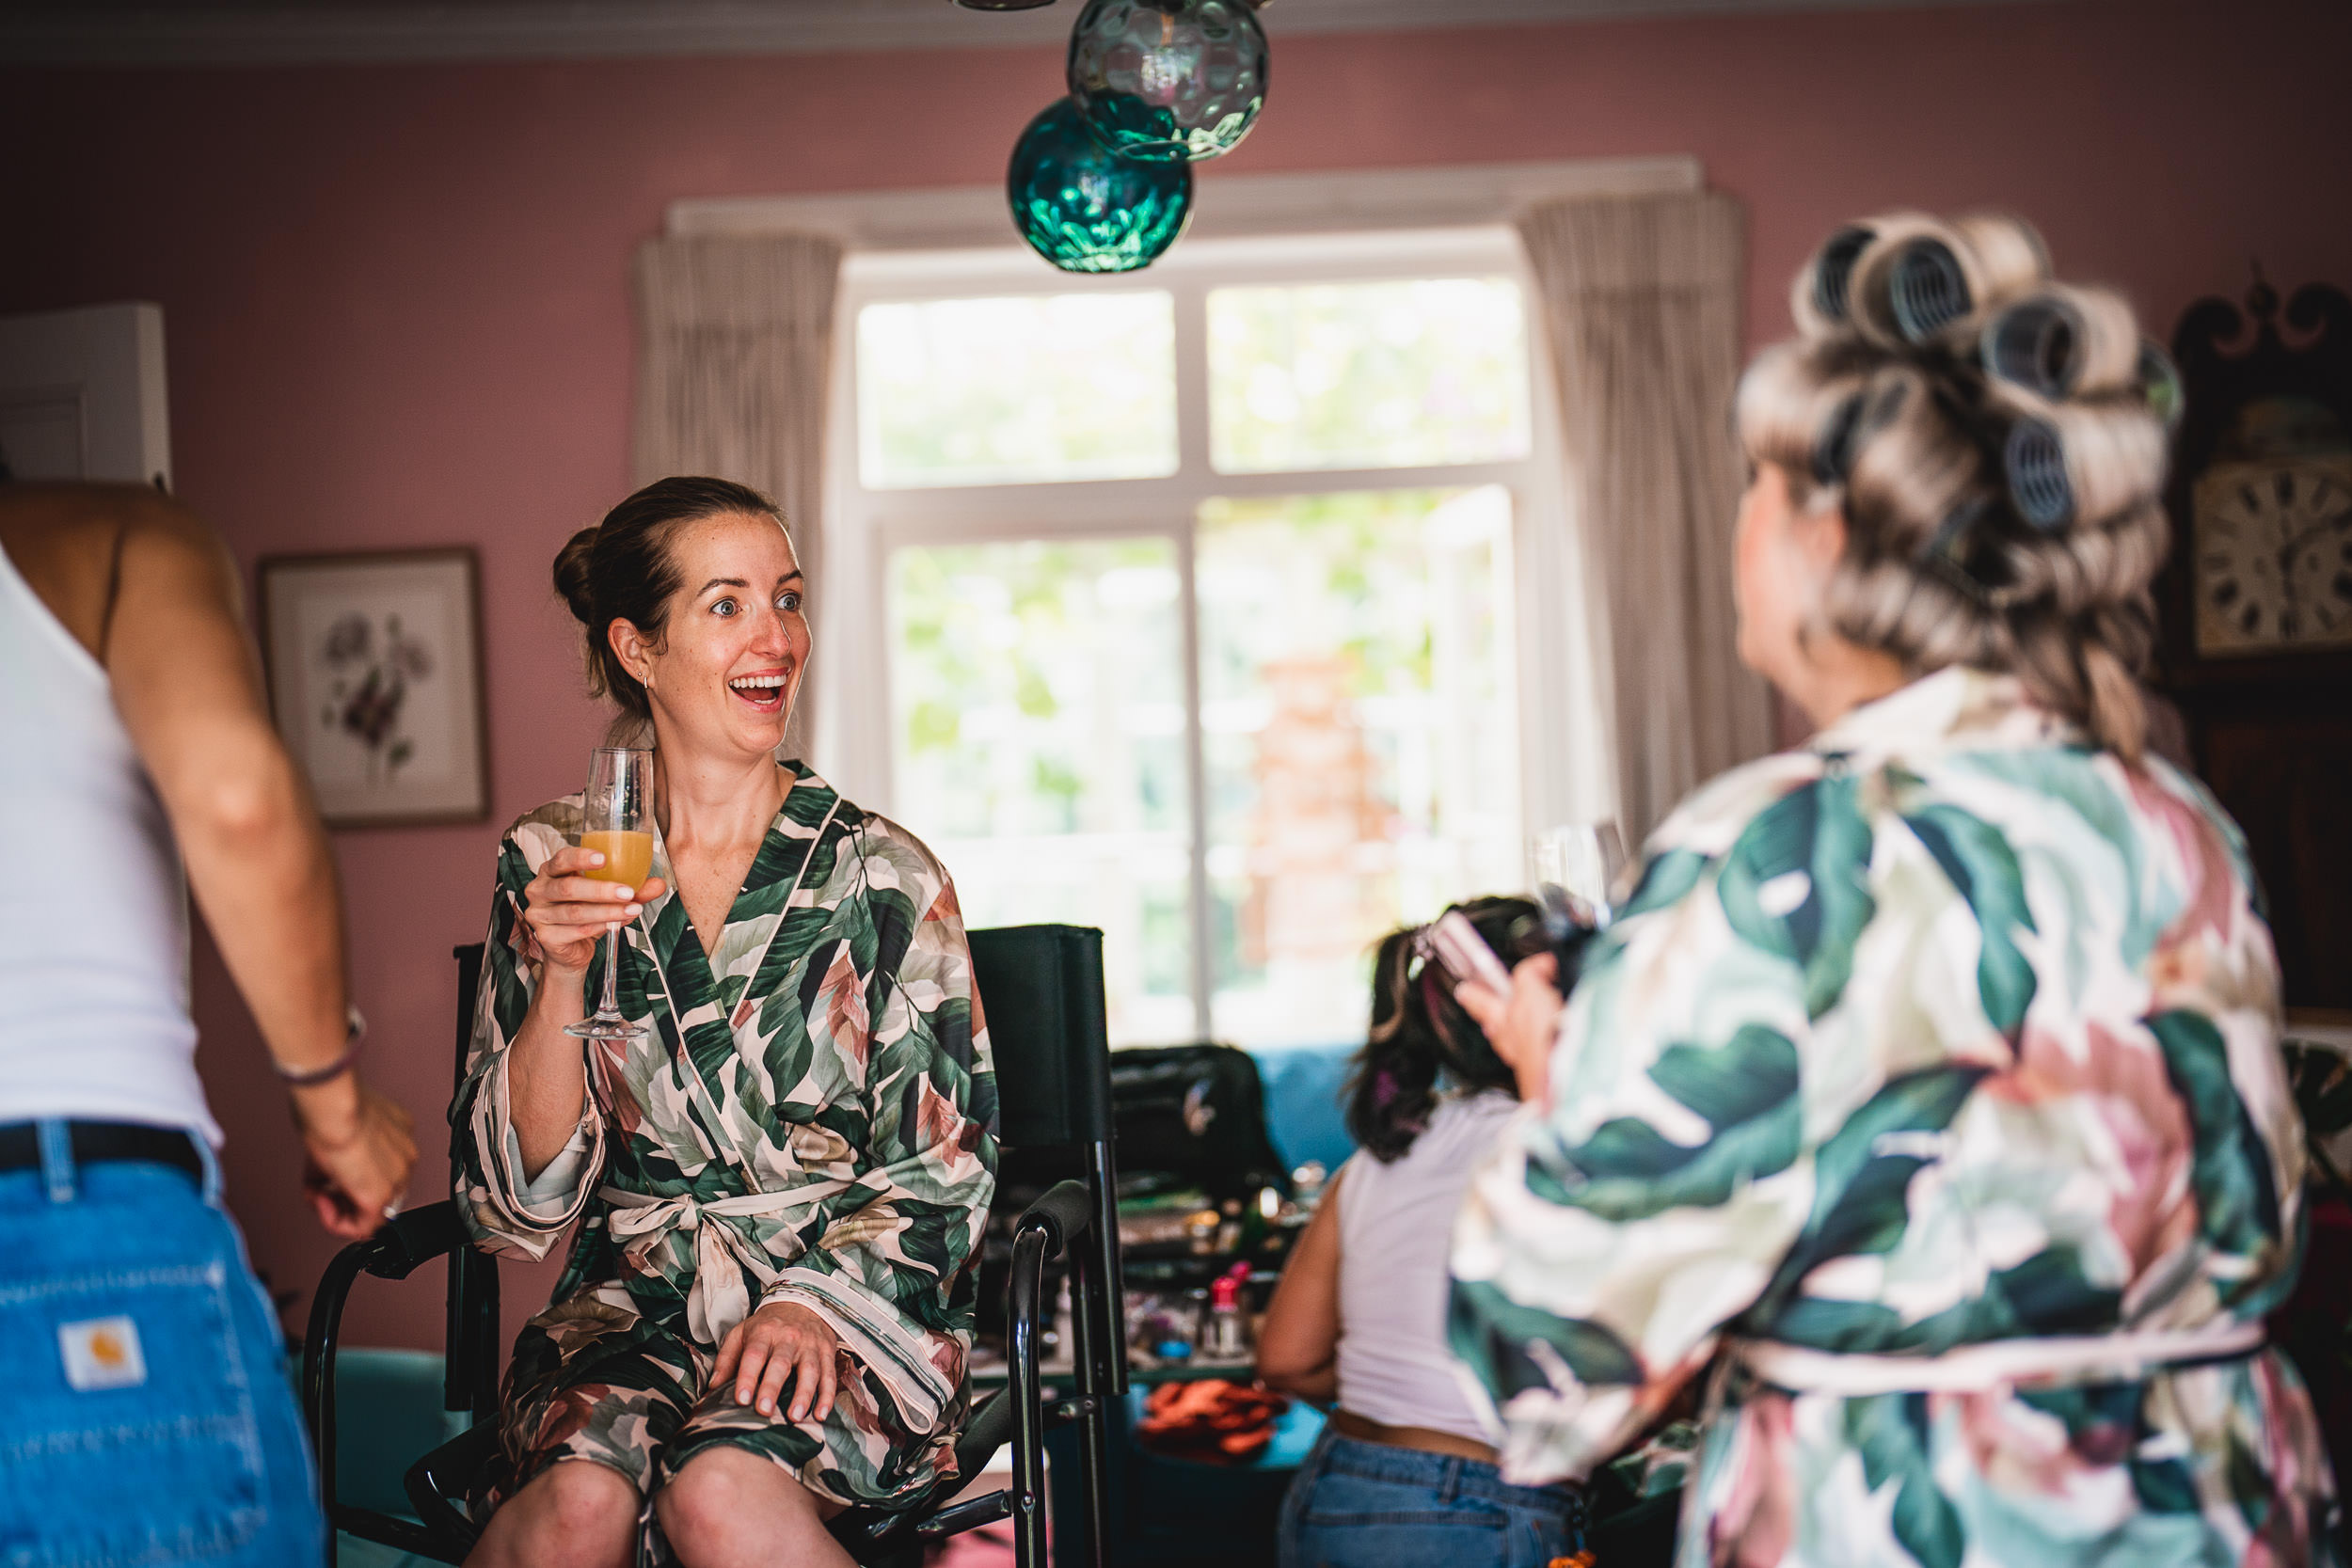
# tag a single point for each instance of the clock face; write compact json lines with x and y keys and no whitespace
{"x":2273,"y":542}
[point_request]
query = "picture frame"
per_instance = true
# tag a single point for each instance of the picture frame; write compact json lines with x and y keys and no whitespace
{"x":374,"y":667}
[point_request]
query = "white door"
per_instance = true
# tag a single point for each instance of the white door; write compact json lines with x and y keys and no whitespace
{"x":82,"y":395}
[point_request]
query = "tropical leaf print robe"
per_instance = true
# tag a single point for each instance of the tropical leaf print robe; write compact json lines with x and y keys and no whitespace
{"x":810,"y":1119}
{"x":1945,"y":1029}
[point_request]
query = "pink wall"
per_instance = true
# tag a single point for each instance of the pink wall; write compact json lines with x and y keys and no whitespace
{"x":396,"y":305}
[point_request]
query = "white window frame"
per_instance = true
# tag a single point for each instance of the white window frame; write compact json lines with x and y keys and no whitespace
{"x":1561,"y":747}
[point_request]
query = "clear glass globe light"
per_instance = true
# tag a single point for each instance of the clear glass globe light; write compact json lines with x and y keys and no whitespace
{"x":1084,"y":208}
{"x":1169,"y":80}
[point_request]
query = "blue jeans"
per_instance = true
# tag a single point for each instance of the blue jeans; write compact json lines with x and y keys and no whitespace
{"x":145,"y":1416}
{"x":1366,"y":1505}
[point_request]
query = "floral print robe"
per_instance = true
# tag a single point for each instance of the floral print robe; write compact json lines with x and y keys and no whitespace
{"x":1947,"y":1028}
{"x":810,"y":1119}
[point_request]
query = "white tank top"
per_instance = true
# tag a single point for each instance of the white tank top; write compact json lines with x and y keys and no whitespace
{"x":1396,"y":1221}
{"x":94,"y":912}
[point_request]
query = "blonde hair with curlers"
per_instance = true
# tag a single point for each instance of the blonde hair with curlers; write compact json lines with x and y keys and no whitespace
{"x":2060,"y":342}
{"x":1995,"y":443}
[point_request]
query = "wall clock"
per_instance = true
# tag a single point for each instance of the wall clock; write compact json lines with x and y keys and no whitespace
{"x":2256,"y":604}
{"x":2262,"y":486}
{"x":2270,"y":533}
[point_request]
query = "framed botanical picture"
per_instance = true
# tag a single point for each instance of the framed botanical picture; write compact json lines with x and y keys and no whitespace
{"x":375,"y":665}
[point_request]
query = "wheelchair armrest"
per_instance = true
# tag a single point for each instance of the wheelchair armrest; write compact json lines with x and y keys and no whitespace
{"x":873,"y":1535}
{"x":990,"y":1429}
{"x":392,"y":1253}
{"x":1065,"y":1212}
{"x":437,"y":1485}
{"x":415,"y":1236}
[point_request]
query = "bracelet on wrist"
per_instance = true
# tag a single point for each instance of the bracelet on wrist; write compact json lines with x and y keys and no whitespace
{"x":354,"y":1032}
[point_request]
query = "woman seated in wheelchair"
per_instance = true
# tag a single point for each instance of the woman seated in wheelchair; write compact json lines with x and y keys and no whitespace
{"x":778,"y":1186}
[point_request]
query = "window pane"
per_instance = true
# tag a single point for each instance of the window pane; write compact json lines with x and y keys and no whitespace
{"x":1361,"y":744}
{"x":1038,"y":709}
{"x":1367,"y":376}
{"x":1007,"y":391}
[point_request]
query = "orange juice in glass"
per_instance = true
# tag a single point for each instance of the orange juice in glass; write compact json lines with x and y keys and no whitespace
{"x":627,"y":855}
{"x":616,"y":821}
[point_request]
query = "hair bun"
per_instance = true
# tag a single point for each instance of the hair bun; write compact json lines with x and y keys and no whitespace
{"x":2083,"y":463}
{"x":573,"y":579}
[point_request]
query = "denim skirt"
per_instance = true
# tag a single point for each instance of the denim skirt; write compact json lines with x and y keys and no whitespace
{"x":149,"y":1416}
{"x":1367,"y":1505}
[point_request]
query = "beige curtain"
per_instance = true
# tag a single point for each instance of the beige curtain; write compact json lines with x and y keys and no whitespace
{"x":1641,"y":296}
{"x":735,"y":374}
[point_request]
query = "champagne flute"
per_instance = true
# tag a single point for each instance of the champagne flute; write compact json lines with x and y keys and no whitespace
{"x":616,"y":821}
{"x":1575,"y":866}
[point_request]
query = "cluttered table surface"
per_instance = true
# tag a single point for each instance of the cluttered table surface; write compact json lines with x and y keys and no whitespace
{"x":1198,"y":1274}
{"x":1208,"y":1213}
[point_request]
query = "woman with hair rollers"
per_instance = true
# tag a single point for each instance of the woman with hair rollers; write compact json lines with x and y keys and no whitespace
{"x":1403,"y":1474}
{"x":1929,"y":1081}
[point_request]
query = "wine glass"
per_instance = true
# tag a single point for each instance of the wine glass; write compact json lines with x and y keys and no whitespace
{"x":615,"y":822}
{"x":1576,"y":865}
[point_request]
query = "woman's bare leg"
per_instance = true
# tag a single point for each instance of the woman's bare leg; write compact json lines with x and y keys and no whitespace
{"x":730,"y":1507}
{"x":576,"y":1514}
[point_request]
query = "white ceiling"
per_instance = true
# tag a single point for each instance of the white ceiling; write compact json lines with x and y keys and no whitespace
{"x":243,"y":32}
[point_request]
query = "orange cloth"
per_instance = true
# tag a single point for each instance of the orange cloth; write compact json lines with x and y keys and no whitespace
{"x":1211,"y":1418}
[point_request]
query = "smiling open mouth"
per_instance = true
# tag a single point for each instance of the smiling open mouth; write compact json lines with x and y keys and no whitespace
{"x":763,"y":692}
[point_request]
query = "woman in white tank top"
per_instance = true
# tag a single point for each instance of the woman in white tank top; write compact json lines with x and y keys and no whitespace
{"x":1403,"y":1475}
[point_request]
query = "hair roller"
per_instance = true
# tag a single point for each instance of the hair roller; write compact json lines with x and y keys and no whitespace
{"x":1931,"y":284}
{"x":1916,"y":458}
{"x":1833,"y":447}
{"x":2059,"y":342}
{"x":1818,"y":300}
{"x":1869,"y":308}
{"x":1796,"y":405}
{"x":2081,"y":463}
{"x":2159,"y":383}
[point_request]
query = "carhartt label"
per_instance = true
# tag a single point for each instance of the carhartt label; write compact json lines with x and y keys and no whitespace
{"x":103,"y":1353}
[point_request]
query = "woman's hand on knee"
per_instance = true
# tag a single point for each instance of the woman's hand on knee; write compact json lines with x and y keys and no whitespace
{"x":782,"y":1339}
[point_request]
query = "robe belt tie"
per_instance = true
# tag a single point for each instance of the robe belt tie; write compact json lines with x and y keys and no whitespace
{"x":2055,"y":1361}
{"x":717,"y":1301}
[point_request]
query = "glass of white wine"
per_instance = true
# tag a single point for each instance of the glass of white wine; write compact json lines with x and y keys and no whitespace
{"x":616,"y":822}
{"x":1576,"y":864}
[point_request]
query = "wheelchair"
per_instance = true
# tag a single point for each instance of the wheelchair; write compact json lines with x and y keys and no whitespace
{"x":1041,"y":990}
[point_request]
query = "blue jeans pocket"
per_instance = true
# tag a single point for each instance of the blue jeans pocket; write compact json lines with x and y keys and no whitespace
{"x":1356,"y":1506}
{"x":1350,"y":1521}
{"x":125,"y":1446}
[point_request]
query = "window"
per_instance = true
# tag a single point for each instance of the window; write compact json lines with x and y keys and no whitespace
{"x":1367,"y":376}
{"x":1196,"y":610}
{"x":993,"y":391}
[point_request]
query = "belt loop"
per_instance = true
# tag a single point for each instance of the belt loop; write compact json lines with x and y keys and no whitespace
{"x":1452,"y":1482}
{"x":56,"y":1157}
{"x":210,"y":1162}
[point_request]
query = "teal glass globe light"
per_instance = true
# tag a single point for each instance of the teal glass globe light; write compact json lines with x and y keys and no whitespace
{"x":1169,"y":80}
{"x":1086,"y":209}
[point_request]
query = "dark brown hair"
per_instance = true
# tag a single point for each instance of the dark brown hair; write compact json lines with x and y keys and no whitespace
{"x":622,"y":570}
{"x":1421,"y":1034}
